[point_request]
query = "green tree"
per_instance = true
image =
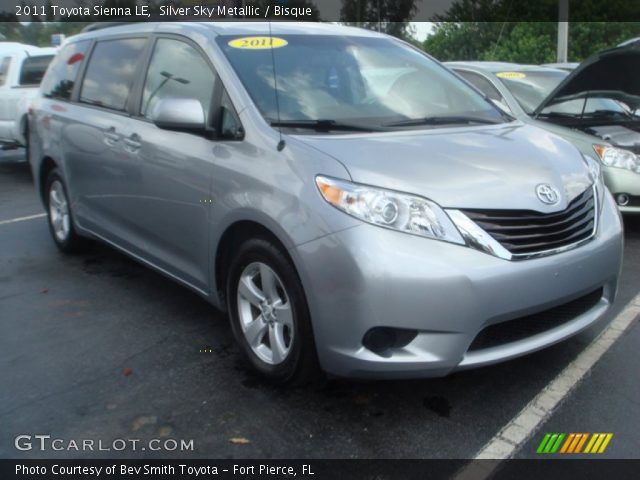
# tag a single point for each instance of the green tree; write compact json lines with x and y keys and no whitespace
{"x":388,"y":16}
{"x":487,"y":30}
{"x":523,"y":42}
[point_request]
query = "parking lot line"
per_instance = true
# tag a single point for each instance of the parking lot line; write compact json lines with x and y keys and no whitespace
{"x":22,"y":219}
{"x":518,"y":430}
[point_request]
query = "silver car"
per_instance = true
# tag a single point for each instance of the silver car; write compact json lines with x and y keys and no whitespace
{"x":593,"y":108}
{"x":351,"y":203}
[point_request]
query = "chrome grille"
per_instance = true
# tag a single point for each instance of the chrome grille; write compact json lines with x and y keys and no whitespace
{"x":525,"y":232}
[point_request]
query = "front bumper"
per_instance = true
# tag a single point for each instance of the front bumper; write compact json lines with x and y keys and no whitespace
{"x":619,"y":180}
{"x":367,"y":276}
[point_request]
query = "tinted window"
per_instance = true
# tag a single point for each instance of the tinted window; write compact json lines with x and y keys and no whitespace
{"x":63,"y":71}
{"x":177,"y":70}
{"x":33,"y":69}
{"x":4,"y":69}
{"x":111,"y":71}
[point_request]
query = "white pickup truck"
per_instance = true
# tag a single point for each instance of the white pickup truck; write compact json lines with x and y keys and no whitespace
{"x":21,"y":70}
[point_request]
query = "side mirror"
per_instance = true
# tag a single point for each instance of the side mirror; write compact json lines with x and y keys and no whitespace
{"x":179,"y":114}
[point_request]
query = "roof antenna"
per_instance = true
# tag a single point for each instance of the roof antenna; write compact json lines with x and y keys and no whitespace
{"x":281,"y":143}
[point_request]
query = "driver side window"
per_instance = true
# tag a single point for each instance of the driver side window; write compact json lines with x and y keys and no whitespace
{"x":177,"y":70}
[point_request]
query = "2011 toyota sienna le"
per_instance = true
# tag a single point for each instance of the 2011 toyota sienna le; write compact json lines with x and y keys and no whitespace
{"x":350,"y":202}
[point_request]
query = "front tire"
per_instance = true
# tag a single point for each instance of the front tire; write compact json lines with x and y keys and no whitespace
{"x":59,"y":215}
{"x":269,"y":314}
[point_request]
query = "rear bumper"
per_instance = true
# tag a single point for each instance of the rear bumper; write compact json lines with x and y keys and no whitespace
{"x":367,"y":277}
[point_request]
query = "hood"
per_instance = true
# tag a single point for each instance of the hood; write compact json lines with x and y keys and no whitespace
{"x":489,"y":167}
{"x":607,"y":71}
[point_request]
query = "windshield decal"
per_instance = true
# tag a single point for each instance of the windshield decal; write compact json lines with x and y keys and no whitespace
{"x":510,"y":75}
{"x":257,"y":43}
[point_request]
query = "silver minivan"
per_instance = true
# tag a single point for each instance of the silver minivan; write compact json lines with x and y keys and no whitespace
{"x":351,"y":203}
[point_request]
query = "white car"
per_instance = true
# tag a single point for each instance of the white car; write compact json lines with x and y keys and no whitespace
{"x":21,"y":70}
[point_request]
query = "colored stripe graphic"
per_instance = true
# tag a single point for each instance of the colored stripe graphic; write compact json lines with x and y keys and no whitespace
{"x":551,"y":443}
{"x":605,"y":443}
{"x":555,"y":447}
{"x":573,"y":443}
{"x":590,"y":444}
{"x":543,"y":443}
{"x":565,"y":447}
{"x":581,"y":443}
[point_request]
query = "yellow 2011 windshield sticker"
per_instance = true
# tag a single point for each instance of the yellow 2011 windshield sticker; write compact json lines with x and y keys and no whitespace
{"x":510,"y":75}
{"x":257,"y":43}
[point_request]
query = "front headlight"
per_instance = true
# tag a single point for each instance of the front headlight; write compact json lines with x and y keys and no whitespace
{"x":386,"y":208}
{"x":618,"y":158}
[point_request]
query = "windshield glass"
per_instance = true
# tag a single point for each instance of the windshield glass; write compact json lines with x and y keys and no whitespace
{"x":351,"y":80}
{"x":591,"y":104}
{"x":531,"y":87}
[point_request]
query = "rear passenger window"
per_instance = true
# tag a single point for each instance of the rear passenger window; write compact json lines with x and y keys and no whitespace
{"x":63,"y":71}
{"x":4,"y":69}
{"x":33,"y":69}
{"x":111,"y":72}
{"x":177,"y":70}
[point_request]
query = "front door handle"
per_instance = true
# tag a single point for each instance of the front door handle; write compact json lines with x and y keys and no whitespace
{"x":111,"y":137}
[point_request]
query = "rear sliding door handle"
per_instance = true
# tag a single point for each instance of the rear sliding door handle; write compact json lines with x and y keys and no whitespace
{"x":133,"y":143}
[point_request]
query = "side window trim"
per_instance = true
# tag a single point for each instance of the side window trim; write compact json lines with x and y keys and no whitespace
{"x":77,"y":88}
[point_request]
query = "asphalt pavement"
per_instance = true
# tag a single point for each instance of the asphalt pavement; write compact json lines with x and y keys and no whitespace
{"x":96,"y":346}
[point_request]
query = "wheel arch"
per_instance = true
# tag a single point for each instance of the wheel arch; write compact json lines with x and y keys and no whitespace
{"x":232,"y":237}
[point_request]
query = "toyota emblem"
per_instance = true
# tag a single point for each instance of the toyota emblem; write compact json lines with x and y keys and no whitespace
{"x":547,"y":194}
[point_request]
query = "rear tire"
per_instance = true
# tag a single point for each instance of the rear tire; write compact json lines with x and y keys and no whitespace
{"x":60,"y":216}
{"x":269,"y":314}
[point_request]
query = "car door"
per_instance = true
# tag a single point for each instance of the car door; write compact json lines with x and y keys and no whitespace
{"x":167,"y":206}
{"x":100,"y":174}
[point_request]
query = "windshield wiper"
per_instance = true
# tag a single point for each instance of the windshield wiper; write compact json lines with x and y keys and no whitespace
{"x":587,"y":115}
{"x":441,"y":120}
{"x":559,"y":115}
{"x":324,"y":125}
{"x":608,"y":113}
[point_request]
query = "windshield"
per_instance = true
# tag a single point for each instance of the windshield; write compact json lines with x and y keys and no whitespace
{"x":356,"y":81}
{"x":591,"y":104}
{"x":531,"y":87}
